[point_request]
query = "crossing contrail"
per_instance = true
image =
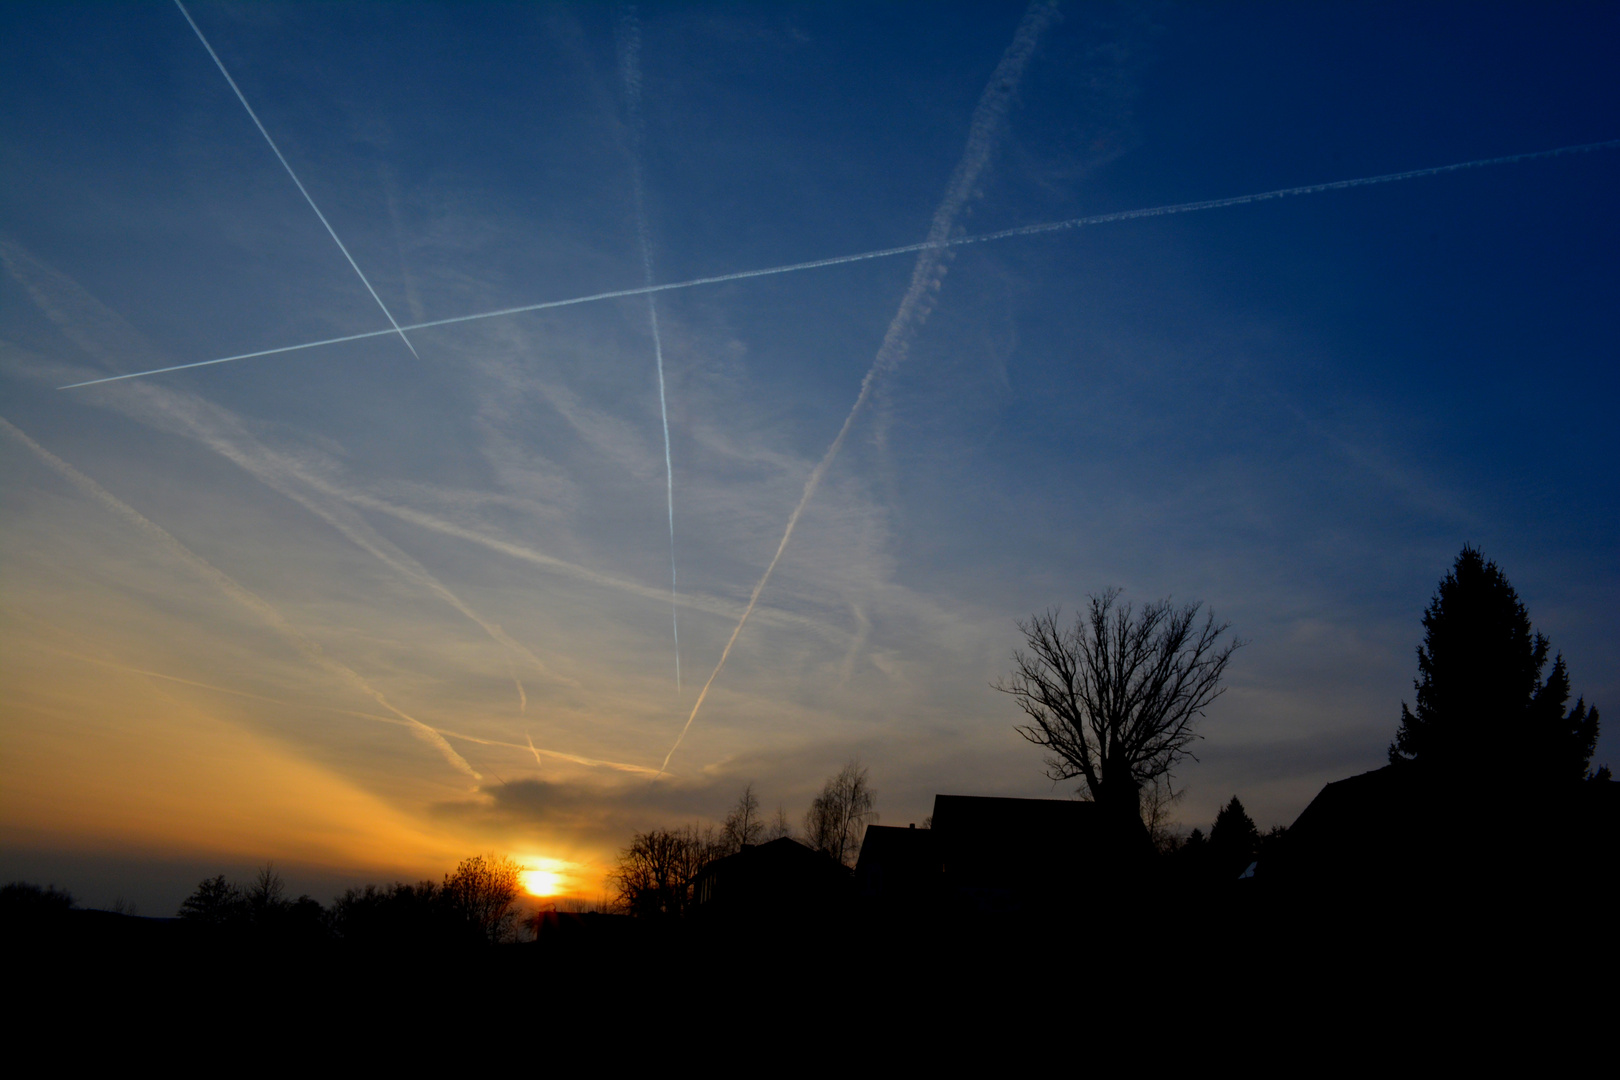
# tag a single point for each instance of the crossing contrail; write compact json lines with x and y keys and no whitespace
{"x":988,"y":120}
{"x":310,"y":650}
{"x":884,"y":253}
{"x":301,"y":190}
{"x":630,"y":68}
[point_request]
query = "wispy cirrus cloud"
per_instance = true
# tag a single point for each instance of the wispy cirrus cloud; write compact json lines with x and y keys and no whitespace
{"x":237,"y":592}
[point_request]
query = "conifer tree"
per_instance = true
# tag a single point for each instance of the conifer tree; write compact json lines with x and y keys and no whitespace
{"x":1481,"y":701}
{"x":1233,"y":839}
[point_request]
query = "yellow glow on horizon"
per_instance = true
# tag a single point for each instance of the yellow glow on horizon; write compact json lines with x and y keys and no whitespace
{"x":542,"y":882}
{"x":99,"y":758}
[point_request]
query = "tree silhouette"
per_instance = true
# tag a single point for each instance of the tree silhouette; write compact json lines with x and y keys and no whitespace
{"x":21,"y":901}
{"x":779,"y":827}
{"x":839,"y":815}
{"x":216,"y":903}
{"x":385,"y":916}
{"x":655,"y":873}
{"x":1481,"y":700}
{"x":481,"y":895}
{"x":267,"y":895}
{"x":1114,"y":699}
{"x":743,"y":825}
{"x":1233,"y":839}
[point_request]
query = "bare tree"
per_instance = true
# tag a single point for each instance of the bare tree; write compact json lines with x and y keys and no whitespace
{"x":1115,"y":699}
{"x":267,"y":893}
{"x":483,"y":893}
{"x":1157,"y":799}
{"x":780,"y":826}
{"x":839,"y":815}
{"x":656,"y":872}
{"x":743,"y":826}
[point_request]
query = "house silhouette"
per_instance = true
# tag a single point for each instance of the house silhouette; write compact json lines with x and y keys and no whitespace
{"x":990,"y":856}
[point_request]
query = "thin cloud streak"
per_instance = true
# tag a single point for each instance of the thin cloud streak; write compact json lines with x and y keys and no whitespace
{"x":905,"y":249}
{"x":301,"y":190}
{"x":127,"y":669}
{"x":630,"y":68}
{"x":223,"y":433}
{"x":236,"y":591}
{"x":988,"y":120}
{"x":561,"y":755}
{"x":271,"y":470}
{"x":572,"y":570}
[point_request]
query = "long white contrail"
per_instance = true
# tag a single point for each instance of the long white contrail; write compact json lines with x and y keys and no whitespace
{"x":301,"y":190}
{"x":904,"y":249}
{"x":238,"y":592}
{"x":988,"y":120}
{"x":630,"y":69}
{"x":74,"y":310}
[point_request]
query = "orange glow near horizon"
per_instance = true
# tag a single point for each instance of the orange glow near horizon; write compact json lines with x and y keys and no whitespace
{"x":542,"y":882}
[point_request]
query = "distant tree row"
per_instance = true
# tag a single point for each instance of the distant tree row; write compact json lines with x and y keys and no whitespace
{"x":21,"y":901}
{"x":474,"y":904}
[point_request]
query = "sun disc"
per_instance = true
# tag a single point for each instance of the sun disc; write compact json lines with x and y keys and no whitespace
{"x":541,"y":882}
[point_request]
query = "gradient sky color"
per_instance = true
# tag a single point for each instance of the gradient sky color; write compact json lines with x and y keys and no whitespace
{"x":262,"y":610}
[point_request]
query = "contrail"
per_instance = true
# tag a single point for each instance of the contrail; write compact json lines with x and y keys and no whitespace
{"x":236,"y":591}
{"x":988,"y":119}
{"x":223,"y":433}
{"x":905,"y":249}
{"x":577,"y":759}
{"x":354,"y":528}
{"x":630,"y":69}
{"x":301,"y":190}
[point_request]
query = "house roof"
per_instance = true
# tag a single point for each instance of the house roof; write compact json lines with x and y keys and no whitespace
{"x":771,"y":875}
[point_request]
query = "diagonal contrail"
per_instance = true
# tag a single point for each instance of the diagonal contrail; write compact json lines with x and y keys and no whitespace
{"x":301,"y":190}
{"x":310,"y":650}
{"x":905,"y":249}
{"x":630,"y":69}
{"x":988,"y":119}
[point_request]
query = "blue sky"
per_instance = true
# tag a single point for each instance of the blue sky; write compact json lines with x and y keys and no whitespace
{"x":1296,"y":411}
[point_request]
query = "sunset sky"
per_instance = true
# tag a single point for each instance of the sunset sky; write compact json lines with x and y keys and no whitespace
{"x":367,"y":608}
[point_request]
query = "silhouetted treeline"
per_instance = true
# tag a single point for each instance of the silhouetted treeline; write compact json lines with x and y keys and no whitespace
{"x":474,"y":905}
{"x":21,"y":901}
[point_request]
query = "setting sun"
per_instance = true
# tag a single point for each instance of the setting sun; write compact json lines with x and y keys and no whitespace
{"x":541,"y":882}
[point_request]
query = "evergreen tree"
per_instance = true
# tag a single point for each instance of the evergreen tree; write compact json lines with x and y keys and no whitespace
{"x":1481,"y":700}
{"x":1233,"y":839}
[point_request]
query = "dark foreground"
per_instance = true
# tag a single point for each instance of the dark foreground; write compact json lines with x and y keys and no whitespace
{"x":1224,"y":972}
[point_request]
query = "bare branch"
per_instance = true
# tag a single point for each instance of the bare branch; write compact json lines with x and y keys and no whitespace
{"x":1115,"y":699}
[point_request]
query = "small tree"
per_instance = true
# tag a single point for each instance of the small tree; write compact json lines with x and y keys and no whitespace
{"x":1114,"y":700}
{"x":743,"y":826}
{"x":1481,"y":700}
{"x":838,"y":817}
{"x":267,"y":895}
{"x":780,"y":827}
{"x":216,"y":903}
{"x":1233,"y":839}
{"x":482,"y":894}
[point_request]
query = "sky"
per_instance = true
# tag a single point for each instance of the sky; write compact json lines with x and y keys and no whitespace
{"x":366,"y":608}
